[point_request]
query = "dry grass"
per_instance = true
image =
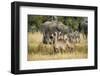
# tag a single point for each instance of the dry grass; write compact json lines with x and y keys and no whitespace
{"x":75,"y":55}
{"x":39,"y":51}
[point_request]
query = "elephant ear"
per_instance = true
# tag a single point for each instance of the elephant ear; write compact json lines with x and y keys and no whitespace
{"x":44,"y":26}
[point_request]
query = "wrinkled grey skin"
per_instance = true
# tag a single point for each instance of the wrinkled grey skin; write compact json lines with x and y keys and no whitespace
{"x":49,"y":27}
{"x":83,"y":27}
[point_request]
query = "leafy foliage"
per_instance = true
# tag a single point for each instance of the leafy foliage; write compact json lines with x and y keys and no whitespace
{"x":35,"y":21}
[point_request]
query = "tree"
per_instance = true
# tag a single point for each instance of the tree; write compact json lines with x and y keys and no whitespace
{"x":35,"y":21}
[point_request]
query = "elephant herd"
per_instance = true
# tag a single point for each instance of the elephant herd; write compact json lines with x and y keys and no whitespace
{"x":61,"y":41}
{"x":62,"y":37}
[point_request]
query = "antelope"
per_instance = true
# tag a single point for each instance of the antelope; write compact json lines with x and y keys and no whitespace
{"x":69,"y":45}
{"x":60,"y":44}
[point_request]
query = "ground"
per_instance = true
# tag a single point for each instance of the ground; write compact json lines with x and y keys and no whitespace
{"x":39,"y":51}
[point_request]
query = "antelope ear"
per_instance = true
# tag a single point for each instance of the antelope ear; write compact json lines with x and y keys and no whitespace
{"x":55,"y":33}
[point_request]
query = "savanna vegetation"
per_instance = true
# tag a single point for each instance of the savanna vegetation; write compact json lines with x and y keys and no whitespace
{"x":40,"y":50}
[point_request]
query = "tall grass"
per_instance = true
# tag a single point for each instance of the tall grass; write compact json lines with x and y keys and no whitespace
{"x":39,"y":51}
